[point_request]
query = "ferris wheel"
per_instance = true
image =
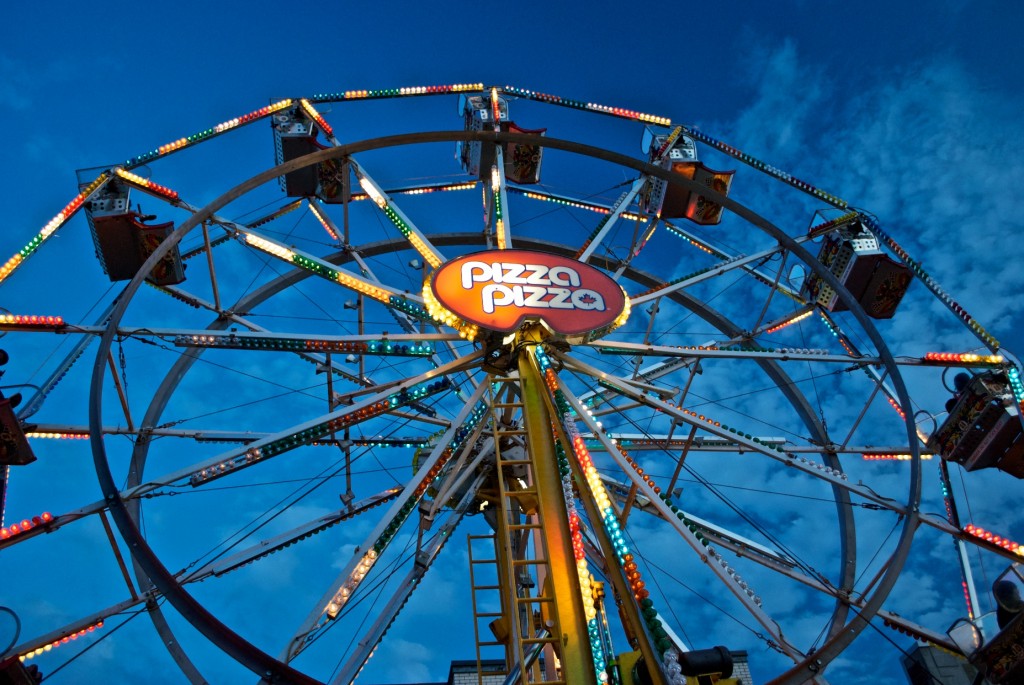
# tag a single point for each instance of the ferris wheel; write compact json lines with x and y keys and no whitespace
{"x":566,"y":401}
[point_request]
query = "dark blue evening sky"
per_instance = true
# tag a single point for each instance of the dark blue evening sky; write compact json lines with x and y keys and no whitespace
{"x":911,"y":110}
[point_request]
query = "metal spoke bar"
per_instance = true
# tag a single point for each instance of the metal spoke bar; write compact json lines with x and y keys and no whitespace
{"x":703,"y":275}
{"x":417,"y":239}
{"x":424,"y":559}
{"x":726,"y":351}
{"x":704,"y":245}
{"x":318,"y":618}
{"x":462,"y":469}
{"x":309,"y":262}
{"x":36,"y":401}
{"x":609,"y":220}
{"x":735,"y":541}
{"x":318,"y":424}
{"x":420,"y":189}
{"x":254,"y":327}
{"x":278,"y":542}
{"x":564,"y":200}
{"x":647,"y":442}
{"x":749,"y":603}
{"x":61,"y":431}
{"x":498,"y":215}
{"x":75,"y":627}
{"x":772,"y":560}
{"x":786,"y":457}
{"x":785,"y":354}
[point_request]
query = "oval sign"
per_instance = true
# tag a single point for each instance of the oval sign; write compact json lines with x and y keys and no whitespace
{"x":500,"y":289}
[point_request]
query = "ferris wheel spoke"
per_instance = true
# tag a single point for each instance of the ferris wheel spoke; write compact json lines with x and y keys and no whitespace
{"x":703,"y":275}
{"x":319,"y":267}
{"x":645,"y":225}
{"x":655,"y":442}
{"x":71,"y":631}
{"x":750,"y":601}
{"x":788,"y":456}
{"x":562,"y":200}
{"x":411,"y":390}
{"x":269,"y":546}
{"x":318,"y":211}
{"x":779,"y":563}
{"x":496,"y":208}
{"x":34,"y":402}
{"x":305,"y":346}
{"x":417,"y":239}
{"x":62,"y":431}
{"x":643,"y":231}
{"x":402,"y":304}
{"x":709,"y":425}
{"x":425,"y":558}
{"x":718,"y":534}
{"x":774,"y":282}
{"x":340,"y":592}
{"x":725,"y":350}
{"x":470,"y":460}
{"x":401,"y":315}
{"x":265,"y":219}
{"x":50,"y":523}
{"x":608,"y":222}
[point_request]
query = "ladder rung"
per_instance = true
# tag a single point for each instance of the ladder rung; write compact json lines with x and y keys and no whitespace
{"x":539,"y":599}
{"x":520,"y":493}
{"x":510,"y":431}
{"x":496,"y":405}
{"x":528,"y":562}
{"x":524,"y":526}
{"x":516,"y":462}
{"x":486,"y":587}
{"x":489,"y":614}
{"x":539,"y":640}
{"x":494,"y":643}
{"x":483,"y":561}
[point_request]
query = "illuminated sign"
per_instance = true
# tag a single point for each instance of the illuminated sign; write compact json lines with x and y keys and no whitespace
{"x":500,"y":289}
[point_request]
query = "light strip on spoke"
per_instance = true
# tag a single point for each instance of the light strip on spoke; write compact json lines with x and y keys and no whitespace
{"x":332,"y":273}
{"x":324,"y":220}
{"x":255,"y":341}
{"x":415,"y":237}
{"x":308,"y":433}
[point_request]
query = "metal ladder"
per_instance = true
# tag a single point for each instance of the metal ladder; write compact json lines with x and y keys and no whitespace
{"x":520,"y":525}
{"x":476,"y":566}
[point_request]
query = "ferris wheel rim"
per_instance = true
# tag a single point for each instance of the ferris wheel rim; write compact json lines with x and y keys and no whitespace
{"x":833,"y":646}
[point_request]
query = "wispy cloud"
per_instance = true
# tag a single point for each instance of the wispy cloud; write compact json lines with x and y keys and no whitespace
{"x":937,"y":159}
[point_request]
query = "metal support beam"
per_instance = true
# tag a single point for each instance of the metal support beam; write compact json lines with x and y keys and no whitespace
{"x":576,"y":657}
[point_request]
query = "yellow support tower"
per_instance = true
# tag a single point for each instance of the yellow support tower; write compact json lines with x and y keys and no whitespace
{"x":533,"y":539}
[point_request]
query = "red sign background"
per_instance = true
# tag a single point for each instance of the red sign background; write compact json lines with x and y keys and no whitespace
{"x":499,"y":289}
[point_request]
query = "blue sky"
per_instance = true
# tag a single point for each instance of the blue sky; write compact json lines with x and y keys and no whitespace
{"x":908,"y":110}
